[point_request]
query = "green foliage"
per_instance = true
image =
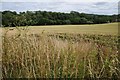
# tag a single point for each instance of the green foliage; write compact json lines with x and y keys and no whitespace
{"x":53,"y":18}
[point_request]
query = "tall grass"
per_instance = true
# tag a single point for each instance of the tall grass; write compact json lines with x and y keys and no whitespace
{"x":59,"y":56}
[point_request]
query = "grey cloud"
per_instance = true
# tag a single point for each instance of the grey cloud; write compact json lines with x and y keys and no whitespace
{"x":100,"y":3}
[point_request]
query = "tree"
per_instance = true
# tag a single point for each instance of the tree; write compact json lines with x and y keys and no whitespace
{"x":8,"y":18}
{"x":12,"y":18}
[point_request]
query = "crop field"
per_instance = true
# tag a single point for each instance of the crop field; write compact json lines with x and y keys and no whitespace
{"x":103,"y":29}
{"x":61,"y":51}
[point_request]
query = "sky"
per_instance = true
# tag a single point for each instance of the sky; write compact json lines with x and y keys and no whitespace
{"x":103,"y":7}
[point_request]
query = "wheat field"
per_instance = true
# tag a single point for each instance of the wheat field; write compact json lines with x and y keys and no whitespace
{"x":43,"y":52}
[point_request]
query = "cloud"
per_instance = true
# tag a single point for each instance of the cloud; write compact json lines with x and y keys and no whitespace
{"x":86,"y":7}
{"x":100,"y":3}
{"x":60,"y":0}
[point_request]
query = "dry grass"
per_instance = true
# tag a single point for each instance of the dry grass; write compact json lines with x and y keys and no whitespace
{"x":59,"y":56}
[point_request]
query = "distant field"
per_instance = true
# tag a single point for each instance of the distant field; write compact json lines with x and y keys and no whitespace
{"x":111,"y":28}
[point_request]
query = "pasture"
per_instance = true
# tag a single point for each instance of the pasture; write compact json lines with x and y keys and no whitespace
{"x":61,"y":51}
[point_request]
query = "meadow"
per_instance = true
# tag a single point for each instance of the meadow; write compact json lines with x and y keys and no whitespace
{"x":61,"y":51}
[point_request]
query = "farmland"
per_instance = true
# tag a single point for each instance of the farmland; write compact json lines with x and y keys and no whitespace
{"x":111,"y":28}
{"x":61,"y":51}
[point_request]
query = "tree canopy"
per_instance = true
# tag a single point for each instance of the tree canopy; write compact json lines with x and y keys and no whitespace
{"x":32,"y":18}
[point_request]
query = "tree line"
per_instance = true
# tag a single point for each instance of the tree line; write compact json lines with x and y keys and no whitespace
{"x":33,"y":18}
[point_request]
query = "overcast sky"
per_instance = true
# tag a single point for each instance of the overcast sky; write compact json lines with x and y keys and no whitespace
{"x":106,"y":7}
